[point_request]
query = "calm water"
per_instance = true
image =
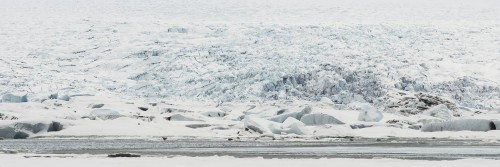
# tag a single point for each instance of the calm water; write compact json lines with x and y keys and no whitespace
{"x":343,"y":148}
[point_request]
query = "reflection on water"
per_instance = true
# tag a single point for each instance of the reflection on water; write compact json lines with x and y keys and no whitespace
{"x":359,"y":148}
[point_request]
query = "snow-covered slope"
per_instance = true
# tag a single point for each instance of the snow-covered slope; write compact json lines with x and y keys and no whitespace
{"x":402,"y":56}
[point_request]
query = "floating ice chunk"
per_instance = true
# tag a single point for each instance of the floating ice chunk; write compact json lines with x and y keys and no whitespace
{"x":415,"y":127}
{"x":282,"y":117}
{"x":175,"y":110}
{"x":104,"y":114}
{"x":370,"y":114}
{"x":426,"y":121}
{"x":178,"y":30}
{"x":7,"y":132}
{"x":305,"y":111}
{"x":296,"y":127}
{"x":297,"y":115}
{"x":100,"y":105}
{"x":12,"y":133}
{"x":320,"y":119}
{"x":440,"y":111}
{"x":326,"y":100}
{"x":11,"y":98}
{"x":180,"y":117}
{"x":31,"y":127}
{"x":262,"y":126}
{"x":21,"y":130}
{"x":496,"y":124}
{"x":54,"y":96}
{"x":214,"y":114}
{"x":461,"y":125}
{"x":64,"y":97}
{"x":143,"y":108}
{"x":360,"y":126}
{"x":143,"y":118}
{"x":196,"y":126}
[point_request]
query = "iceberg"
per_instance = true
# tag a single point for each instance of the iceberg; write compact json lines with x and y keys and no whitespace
{"x":461,"y":125}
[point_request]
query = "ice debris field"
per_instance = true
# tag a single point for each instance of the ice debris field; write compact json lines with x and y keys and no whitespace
{"x":246,"y":69}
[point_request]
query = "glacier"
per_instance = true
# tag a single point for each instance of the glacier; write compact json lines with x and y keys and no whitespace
{"x":169,"y":64}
